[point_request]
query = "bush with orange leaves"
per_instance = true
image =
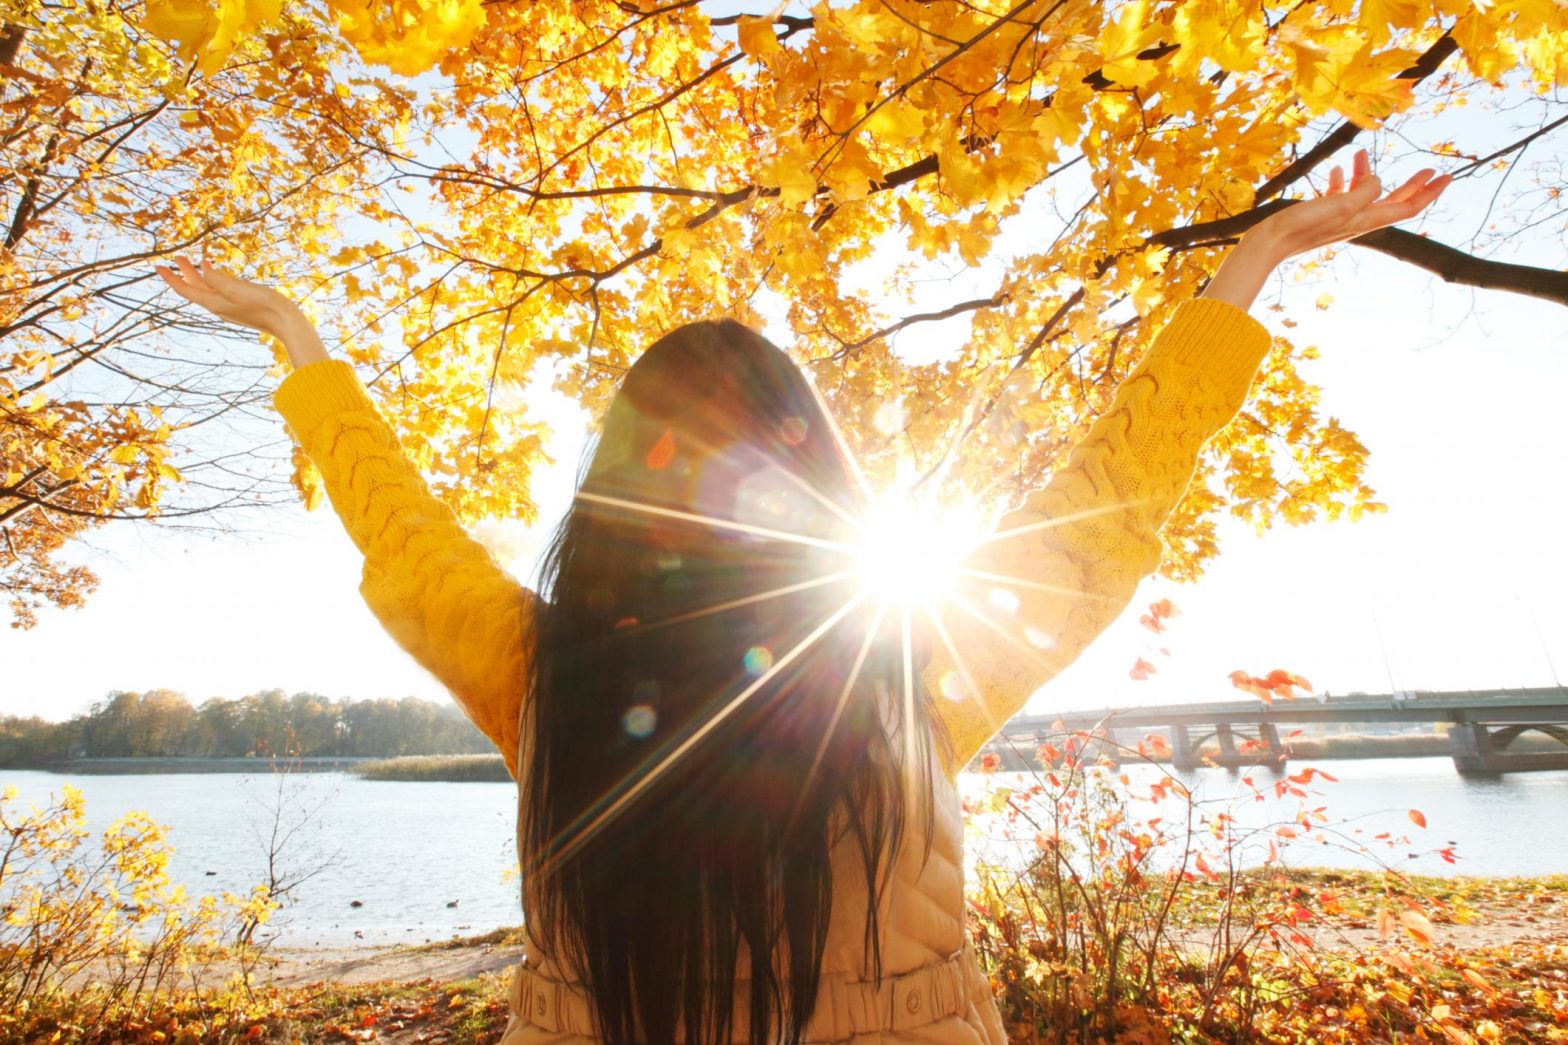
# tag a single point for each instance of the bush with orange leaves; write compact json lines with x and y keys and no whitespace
{"x":1110,"y":902}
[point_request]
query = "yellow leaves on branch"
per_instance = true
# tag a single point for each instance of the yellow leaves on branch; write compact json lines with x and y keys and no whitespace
{"x":407,"y":36}
{"x":204,"y":34}
{"x":591,"y":174}
{"x":1338,"y":69}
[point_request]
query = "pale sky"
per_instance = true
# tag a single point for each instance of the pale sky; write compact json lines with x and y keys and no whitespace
{"x":1457,"y":393}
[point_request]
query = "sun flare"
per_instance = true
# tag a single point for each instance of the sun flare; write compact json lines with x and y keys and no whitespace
{"x":912,"y":554}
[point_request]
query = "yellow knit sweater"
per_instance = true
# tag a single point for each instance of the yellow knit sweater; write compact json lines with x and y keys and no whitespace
{"x":1071,"y":555}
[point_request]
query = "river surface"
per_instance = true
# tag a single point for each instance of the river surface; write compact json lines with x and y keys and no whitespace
{"x":427,"y":861}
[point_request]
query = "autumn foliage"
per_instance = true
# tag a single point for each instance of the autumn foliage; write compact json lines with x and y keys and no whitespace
{"x":1114,"y":902}
{"x":472,"y":197}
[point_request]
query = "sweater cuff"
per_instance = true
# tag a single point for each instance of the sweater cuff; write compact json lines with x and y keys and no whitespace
{"x":1223,"y":341}
{"x":315,"y":392}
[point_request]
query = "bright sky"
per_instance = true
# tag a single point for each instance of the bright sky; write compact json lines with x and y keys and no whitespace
{"x":1457,"y":393}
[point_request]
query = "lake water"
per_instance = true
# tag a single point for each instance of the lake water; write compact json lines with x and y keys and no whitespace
{"x":407,"y":850}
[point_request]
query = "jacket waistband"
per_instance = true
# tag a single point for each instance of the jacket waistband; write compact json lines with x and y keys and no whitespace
{"x":844,"y":1007}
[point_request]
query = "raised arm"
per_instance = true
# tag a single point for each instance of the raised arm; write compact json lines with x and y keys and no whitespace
{"x":435,"y":589}
{"x":1074,"y":552}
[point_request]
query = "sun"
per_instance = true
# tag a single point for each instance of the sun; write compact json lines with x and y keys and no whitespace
{"x":911,"y":554}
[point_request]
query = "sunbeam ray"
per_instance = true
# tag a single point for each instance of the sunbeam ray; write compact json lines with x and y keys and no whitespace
{"x":575,"y":838}
{"x":1029,"y":651}
{"x":838,"y":712}
{"x":719,"y":524}
{"x":971,"y":687}
{"x":733,"y":604}
{"x":821,"y":498}
{"x":1061,"y":520}
{"x":908,"y":665}
{"x":843,"y":444}
{"x":1019,"y":582}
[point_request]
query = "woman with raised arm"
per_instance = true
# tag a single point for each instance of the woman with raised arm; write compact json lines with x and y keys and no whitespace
{"x":736,"y":821}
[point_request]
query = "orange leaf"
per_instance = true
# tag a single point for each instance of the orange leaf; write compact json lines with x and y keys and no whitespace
{"x":1477,"y":980}
{"x":1418,"y":818}
{"x":1417,"y":925}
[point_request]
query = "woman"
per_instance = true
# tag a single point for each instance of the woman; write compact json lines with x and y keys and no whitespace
{"x":737,"y":816}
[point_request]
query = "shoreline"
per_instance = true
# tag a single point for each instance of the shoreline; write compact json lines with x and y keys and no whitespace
{"x":1470,"y":912}
{"x":468,"y":768}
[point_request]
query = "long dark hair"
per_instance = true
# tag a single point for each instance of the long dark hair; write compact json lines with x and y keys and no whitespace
{"x":696,"y":744}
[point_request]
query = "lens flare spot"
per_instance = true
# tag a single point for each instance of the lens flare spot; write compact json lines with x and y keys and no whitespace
{"x":793,"y":431}
{"x":669,"y":561}
{"x":1039,"y":639}
{"x":647,"y":692}
{"x":758,"y":659}
{"x":1003,"y":600}
{"x":663,"y":451}
{"x":772,"y":499}
{"x":639,"y":720}
{"x":952,"y":686}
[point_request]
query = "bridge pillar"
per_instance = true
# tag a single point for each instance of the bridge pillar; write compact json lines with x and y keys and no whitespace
{"x":1181,"y":749}
{"x":1226,"y":737}
{"x":1268,"y":734}
{"x":1476,"y":748}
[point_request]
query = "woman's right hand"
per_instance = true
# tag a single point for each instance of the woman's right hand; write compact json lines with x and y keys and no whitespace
{"x":253,"y":305}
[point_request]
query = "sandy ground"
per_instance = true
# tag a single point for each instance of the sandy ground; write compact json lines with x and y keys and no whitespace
{"x":293,"y":966}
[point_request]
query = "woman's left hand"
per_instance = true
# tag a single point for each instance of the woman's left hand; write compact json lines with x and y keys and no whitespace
{"x":1342,"y":213}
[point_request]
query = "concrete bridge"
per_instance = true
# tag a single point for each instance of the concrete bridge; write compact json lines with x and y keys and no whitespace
{"x":1482,"y":724}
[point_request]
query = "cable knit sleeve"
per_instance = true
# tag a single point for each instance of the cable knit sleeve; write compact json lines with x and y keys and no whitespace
{"x":435,"y":589}
{"x":1063,"y":566}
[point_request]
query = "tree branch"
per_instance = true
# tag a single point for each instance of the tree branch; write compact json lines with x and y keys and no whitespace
{"x":1346,"y":132}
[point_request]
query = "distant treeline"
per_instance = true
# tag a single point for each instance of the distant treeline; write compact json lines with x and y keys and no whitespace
{"x":162,"y":724}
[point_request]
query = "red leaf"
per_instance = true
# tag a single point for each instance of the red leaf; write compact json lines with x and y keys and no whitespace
{"x":1141,"y":670}
{"x":1418,"y":818}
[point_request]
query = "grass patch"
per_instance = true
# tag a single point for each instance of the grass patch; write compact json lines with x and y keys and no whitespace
{"x":459,"y":768}
{"x":506,"y":936}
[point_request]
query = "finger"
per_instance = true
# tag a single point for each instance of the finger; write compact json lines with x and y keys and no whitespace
{"x":1391,"y":211}
{"x":1336,"y":180}
{"x":220,"y":278}
{"x":173,"y":278}
{"x":1362,"y":171}
{"x":1412,"y":185}
{"x":196,"y":291}
{"x":192,"y":275}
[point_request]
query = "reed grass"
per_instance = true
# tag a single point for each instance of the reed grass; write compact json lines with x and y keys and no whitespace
{"x":461,"y":768}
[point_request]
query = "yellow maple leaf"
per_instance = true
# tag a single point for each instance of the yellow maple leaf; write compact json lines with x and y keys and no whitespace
{"x":1228,"y":33}
{"x":790,"y":172}
{"x":1121,"y":41}
{"x":207,"y":35}
{"x":757,"y":37}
